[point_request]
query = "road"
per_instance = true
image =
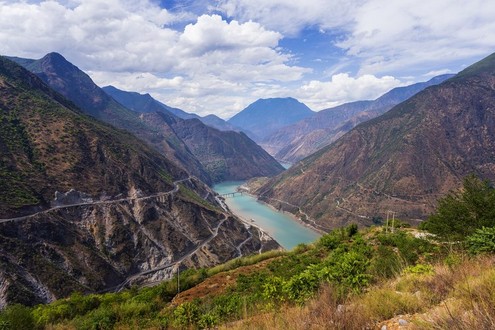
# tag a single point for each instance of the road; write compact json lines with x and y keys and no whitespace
{"x":27,"y":217}
{"x":129,"y":280}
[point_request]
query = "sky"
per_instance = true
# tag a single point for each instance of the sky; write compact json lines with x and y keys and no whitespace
{"x":218,"y":56}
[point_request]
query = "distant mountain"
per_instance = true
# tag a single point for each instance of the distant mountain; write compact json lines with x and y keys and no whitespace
{"x":226,"y":155}
{"x":294,"y":142}
{"x":123,"y":214}
{"x":146,"y":103}
{"x":401,"y":161}
{"x":265,"y":116}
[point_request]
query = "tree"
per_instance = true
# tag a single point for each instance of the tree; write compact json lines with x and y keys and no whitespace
{"x":460,"y":213}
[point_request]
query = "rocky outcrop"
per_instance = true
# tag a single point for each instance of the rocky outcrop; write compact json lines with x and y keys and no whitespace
{"x":100,"y":247}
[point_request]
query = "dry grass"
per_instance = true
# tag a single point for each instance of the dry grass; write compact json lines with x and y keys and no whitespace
{"x":453,"y":297}
{"x":324,"y":312}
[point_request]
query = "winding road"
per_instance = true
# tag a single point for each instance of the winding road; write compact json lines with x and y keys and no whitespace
{"x":27,"y":217}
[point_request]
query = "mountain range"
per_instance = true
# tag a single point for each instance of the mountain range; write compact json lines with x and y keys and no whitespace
{"x":294,"y":142}
{"x":224,"y":154}
{"x":88,"y":207}
{"x":135,"y":117}
{"x":401,"y":161}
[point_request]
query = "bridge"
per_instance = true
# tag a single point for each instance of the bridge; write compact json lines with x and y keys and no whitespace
{"x":232,"y":194}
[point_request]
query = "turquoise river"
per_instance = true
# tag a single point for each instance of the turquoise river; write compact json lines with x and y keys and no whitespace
{"x":285,"y":230}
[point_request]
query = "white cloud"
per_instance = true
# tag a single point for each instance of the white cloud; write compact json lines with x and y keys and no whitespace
{"x":343,"y":88}
{"x":131,"y":45}
{"x":382,"y":36}
{"x":290,"y":17}
{"x":392,"y":36}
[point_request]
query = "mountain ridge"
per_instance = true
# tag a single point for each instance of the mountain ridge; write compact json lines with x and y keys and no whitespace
{"x":400,"y":161}
{"x":104,"y":206}
{"x":296,"y":141}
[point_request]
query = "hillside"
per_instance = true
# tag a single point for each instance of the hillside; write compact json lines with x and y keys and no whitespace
{"x":265,"y":116}
{"x":77,"y":86}
{"x":299,"y":140}
{"x":348,"y":280}
{"x":87,"y":207}
{"x":225,"y":155}
{"x":401,"y":161}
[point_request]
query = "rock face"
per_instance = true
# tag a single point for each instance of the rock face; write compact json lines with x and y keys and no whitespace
{"x":131,"y":211}
{"x":294,"y":142}
{"x":263,"y":117}
{"x":225,"y":155}
{"x":401,"y":161}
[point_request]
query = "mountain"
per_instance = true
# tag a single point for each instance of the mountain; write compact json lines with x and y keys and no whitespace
{"x":67,"y":79}
{"x":265,"y":116}
{"x":294,"y":142}
{"x":225,"y":155}
{"x":87,"y":207}
{"x":146,"y":103}
{"x":401,"y":161}
{"x":77,"y":86}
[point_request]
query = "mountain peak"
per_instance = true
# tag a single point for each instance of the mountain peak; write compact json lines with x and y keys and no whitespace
{"x":265,"y":116}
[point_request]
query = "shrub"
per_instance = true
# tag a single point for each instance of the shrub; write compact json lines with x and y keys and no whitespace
{"x":482,"y":241}
{"x":186,"y":314}
{"x":16,"y":317}
{"x":459,"y":214}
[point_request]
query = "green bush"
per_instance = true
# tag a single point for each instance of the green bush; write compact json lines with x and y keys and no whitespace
{"x":459,"y":214}
{"x":482,"y":241}
{"x":17,"y":317}
{"x":186,"y":314}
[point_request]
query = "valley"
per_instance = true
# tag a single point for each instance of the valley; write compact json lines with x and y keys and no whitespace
{"x":285,"y":229}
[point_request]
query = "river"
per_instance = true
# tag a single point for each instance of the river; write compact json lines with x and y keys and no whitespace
{"x":284,"y":229}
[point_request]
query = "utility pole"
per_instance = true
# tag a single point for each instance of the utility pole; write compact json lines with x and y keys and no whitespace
{"x":386,"y":225}
{"x":178,"y":279}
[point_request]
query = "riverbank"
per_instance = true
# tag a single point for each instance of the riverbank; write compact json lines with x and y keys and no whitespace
{"x":285,"y":228}
{"x":246,"y":190}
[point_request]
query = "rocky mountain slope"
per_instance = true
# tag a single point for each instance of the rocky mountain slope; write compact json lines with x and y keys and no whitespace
{"x":88,"y":207}
{"x":225,"y":155}
{"x":263,"y":117}
{"x":294,"y":142}
{"x":401,"y":161}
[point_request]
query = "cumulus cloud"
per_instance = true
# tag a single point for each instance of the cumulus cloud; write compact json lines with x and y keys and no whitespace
{"x":132,"y":45}
{"x":388,"y":36}
{"x":343,"y":88}
{"x":385,"y":37}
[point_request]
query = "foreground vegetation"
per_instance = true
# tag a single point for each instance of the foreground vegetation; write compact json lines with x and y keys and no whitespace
{"x":349,"y":279}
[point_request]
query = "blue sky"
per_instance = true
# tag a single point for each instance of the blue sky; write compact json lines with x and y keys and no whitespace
{"x":218,"y":56}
